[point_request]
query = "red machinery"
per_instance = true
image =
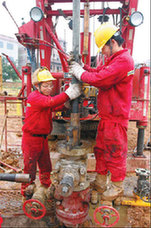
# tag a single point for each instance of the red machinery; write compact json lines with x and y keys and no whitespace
{"x":39,"y":37}
{"x":1,"y":221}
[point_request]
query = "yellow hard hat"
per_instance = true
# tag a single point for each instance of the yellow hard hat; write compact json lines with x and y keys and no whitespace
{"x":104,"y":33}
{"x":42,"y":75}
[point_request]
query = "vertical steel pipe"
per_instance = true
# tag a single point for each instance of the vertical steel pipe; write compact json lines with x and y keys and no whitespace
{"x":140,"y":142}
{"x":75,"y":119}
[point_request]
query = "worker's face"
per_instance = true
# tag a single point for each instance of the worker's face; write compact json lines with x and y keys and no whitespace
{"x":106,"y":50}
{"x":109,"y":50}
{"x":46,"y":88}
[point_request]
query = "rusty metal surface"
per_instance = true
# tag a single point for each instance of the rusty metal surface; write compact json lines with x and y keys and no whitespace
{"x":85,"y":148}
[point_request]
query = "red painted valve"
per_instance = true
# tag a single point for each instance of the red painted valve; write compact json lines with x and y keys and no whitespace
{"x":1,"y":221}
{"x":34,"y":209}
{"x":108,"y":216}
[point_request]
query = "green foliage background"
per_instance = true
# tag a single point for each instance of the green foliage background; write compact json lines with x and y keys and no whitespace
{"x":8,"y":71}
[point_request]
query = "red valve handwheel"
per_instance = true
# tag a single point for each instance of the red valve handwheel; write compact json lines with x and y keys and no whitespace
{"x":1,"y":221}
{"x":106,"y":215}
{"x":30,"y":210}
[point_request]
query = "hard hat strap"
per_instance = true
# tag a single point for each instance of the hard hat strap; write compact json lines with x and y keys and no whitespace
{"x":111,"y":47}
{"x":39,"y":86}
{"x":34,"y":87}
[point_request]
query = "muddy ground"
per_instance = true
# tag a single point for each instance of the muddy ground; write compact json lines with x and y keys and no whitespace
{"x":136,"y":216}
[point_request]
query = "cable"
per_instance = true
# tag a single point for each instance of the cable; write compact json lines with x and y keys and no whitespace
{"x":48,"y":45}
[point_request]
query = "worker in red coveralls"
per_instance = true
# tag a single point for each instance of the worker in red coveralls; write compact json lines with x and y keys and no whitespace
{"x":114,"y":81}
{"x":37,"y":126}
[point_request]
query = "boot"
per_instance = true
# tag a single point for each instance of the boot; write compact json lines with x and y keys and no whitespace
{"x":29,"y":191}
{"x":100,"y":183}
{"x":115,"y":190}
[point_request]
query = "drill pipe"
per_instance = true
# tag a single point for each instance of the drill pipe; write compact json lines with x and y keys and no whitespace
{"x":15,"y":177}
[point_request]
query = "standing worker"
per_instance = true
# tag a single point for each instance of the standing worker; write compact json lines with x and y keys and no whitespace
{"x":37,"y":126}
{"x":114,"y":81}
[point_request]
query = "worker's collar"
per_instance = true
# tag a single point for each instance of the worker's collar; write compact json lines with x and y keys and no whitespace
{"x":116,"y":54}
{"x":39,"y":91}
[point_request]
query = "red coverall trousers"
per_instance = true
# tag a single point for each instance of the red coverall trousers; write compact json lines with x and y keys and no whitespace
{"x":36,"y":151}
{"x":111,"y":149}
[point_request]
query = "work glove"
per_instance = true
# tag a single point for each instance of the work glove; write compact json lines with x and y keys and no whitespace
{"x":76,"y":70}
{"x":73,"y":91}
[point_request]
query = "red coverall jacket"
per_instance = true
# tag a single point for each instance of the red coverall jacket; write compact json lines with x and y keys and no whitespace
{"x":114,"y":80}
{"x":38,"y":124}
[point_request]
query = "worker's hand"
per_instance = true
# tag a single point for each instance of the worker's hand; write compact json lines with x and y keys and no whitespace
{"x":76,"y":70}
{"x":80,"y":61}
{"x":72,"y":59}
{"x":73,"y":91}
{"x":67,"y":104}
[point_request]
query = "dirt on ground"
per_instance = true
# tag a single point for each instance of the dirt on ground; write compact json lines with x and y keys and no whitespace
{"x":137,"y":216}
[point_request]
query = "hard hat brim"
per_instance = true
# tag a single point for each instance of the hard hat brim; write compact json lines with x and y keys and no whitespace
{"x":47,"y":80}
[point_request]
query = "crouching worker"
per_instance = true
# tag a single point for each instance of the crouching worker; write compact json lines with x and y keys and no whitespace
{"x":37,"y":126}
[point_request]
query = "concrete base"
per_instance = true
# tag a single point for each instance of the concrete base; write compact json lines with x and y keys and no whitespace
{"x":137,"y":162}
